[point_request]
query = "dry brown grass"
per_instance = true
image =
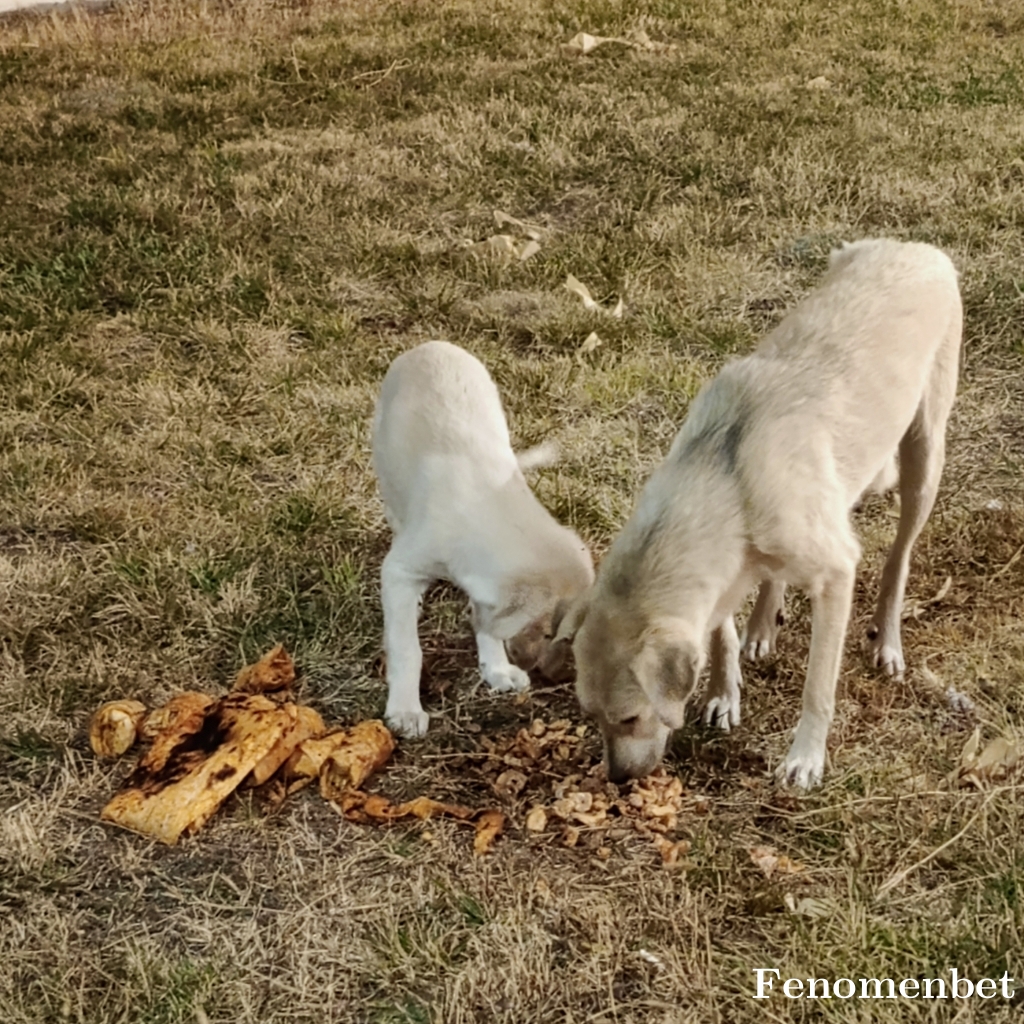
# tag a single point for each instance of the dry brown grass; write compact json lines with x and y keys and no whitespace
{"x":219,"y":224}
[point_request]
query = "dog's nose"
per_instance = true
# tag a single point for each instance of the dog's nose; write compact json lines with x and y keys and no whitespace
{"x":617,"y":774}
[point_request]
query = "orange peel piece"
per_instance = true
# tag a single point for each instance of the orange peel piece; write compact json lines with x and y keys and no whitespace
{"x":183,"y":713}
{"x":274,"y":672}
{"x":359,"y":753}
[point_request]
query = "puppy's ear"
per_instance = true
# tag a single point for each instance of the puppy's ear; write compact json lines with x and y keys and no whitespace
{"x":667,"y":670}
{"x":567,"y":618}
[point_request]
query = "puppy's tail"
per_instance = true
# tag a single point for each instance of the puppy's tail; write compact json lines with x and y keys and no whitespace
{"x":539,"y":456}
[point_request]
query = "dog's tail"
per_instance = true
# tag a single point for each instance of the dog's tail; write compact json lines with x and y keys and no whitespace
{"x":539,"y":456}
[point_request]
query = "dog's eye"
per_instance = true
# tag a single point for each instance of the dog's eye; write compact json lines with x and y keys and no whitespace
{"x":630,"y":721}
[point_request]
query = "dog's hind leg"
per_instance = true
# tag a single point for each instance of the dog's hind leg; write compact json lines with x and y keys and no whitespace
{"x":401,"y":590}
{"x":922,"y":453}
{"x":498,"y":673}
{"x":723,"y":706}
{"x":831,"y":599}
{"x":767,"y":617}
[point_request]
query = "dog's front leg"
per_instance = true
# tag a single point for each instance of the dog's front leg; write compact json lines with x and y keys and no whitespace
{"x":768,"y":616}
{"x":401,"y":591}
{"x":830,"y":613}
{"x":723,"y":706}
{"x":498,"y":673}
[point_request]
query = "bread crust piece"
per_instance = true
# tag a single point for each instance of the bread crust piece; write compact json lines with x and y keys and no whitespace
{"x":191,"y":769}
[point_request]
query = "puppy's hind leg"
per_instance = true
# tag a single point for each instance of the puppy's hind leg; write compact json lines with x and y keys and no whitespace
{"x":401,"y":591}
{"x":498,"y":673}
{"x":767,"y":618}
{"x":723,"y":706}
{"x":922,"y":453}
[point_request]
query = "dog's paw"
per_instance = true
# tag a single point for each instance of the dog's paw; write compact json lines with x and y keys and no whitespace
{"x":887,"y":657}
{"x":756,"y":649}
{"x":803,"y":770}
{"x":723,"y":711}
{"x":507,"y":678}
{"x":410,"y":724}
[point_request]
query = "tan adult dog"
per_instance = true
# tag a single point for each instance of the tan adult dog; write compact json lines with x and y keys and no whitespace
{"x":758,"y":485}
{"x":461,"y":510}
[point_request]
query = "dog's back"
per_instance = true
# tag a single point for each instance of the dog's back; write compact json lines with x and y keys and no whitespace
{"x":839,"y":381}
{"x":437,"y":403}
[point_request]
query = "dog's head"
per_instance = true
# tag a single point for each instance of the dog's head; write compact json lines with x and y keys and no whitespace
{"x":634,"y":680}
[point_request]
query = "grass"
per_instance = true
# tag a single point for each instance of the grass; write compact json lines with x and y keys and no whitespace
{"x":220,"y":222}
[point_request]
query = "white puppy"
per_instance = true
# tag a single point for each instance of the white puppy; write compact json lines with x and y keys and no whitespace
{"x":758,"y":485}
{"x":460,"y":510}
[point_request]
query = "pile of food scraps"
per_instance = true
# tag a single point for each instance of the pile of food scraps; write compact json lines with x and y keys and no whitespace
{"x":557,"y":788}
{"x":545,"y":776}
{"x":202,"y":749}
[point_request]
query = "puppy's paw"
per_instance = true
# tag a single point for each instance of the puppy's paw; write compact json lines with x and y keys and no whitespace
{"x":410,"y":724}
{"x":506,"y":678}
{"x":756,"y":649}
{"x":801,"y":769}
{"x":723,"y":711}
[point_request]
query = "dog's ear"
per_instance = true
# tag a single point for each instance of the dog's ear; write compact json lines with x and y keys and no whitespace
{"x":667,"y":670}
{"x":567,"y":618}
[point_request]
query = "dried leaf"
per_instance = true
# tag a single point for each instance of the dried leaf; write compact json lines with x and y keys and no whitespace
{"x":969,"y":754}
{"x":583,"y":43}
{"x":771,"y":862}
{"x":1000,"y":753}
{"x":496,"y":245}
{"x":577,"y":287}
{"x":808,"y":907}
{"x":114,"y":727}
{"x":914,"y":610}
{"x":643,"y":41}
{"x":531,"y":248}
{"x":529,"y":230}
